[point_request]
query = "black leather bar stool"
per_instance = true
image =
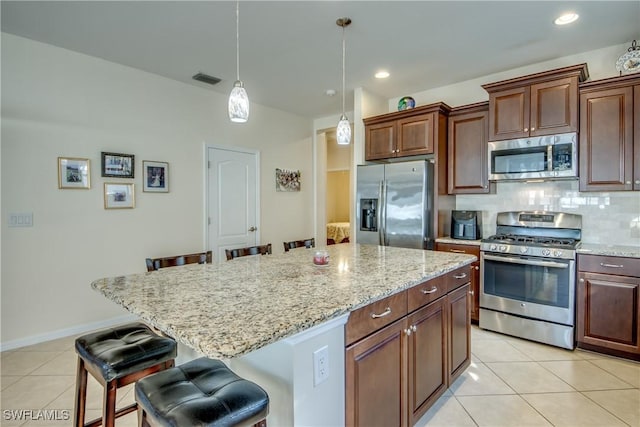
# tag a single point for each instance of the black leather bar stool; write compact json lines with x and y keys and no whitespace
{"x":202,"y":392}
{"x":116,"y":357}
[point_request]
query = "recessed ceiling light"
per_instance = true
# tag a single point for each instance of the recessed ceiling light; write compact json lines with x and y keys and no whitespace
{"x":566,"y":18}
{"x":382,"y":74}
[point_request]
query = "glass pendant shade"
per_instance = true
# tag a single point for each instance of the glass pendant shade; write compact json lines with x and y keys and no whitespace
{"x":343,"y":131}
{"x":238,"y":103}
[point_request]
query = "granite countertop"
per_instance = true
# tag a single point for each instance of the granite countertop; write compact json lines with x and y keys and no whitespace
{"x":458,"y":241}
{"x":226,"y":310}
{"x":609,"y":250}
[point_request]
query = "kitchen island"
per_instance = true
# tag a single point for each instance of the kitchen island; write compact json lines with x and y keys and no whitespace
{"x":268,"y":314}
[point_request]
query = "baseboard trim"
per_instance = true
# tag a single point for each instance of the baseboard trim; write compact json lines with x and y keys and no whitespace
{"x":61,"y":333}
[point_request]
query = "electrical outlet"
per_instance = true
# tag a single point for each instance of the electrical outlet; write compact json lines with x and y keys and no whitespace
{"x":320,"y":365}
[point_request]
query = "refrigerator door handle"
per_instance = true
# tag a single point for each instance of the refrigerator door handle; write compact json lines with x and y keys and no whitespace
{"x":381,"y":214}
{"x":385,"y":238}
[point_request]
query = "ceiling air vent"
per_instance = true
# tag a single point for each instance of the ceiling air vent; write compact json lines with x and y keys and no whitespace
{"x":205,"y":78}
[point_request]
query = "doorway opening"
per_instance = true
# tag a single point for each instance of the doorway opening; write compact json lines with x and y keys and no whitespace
{"x":337,"y":180}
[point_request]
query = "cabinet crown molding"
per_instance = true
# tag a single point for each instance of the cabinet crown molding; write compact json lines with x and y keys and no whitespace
{"x":610,"y":82}
{"x":580,"y":70}
{"x":438,"y":107}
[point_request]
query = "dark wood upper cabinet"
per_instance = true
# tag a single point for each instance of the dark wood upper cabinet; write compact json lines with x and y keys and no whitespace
{"x":535,"y":105}
{"x":414,"y":132}
{"x":467,"y":150}
{"x":610,"y":134}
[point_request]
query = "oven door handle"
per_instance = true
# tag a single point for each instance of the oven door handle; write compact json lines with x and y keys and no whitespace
{"x":526,"y":261}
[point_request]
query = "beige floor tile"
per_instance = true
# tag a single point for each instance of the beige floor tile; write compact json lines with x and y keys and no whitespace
{"x":624,"y":404}
{"x":542,"y":352}
{"x":627,"y":371}
{"x":528,"y":377}
{"x":34,"y":392}
{"x":25,"y":362}
{"x":501,"y":411}
{"x":483,"y":334}
{"x":497,"y":351}
{"x":7,"y":380}
{"x":446,"y":412}
{"x":129,"y":420}
{"x":479,"y":380}
{"x":571,"y":410}
{"x":584,"y":375}
{"x":64,"y":364}
{"x":60,"y":344}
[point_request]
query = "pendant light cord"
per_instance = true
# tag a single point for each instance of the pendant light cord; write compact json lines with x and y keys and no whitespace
{"x":238,"y":40}
{"x":343,"y":67}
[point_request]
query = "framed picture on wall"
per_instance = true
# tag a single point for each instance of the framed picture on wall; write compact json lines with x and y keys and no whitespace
{"x":118,"y":195}
{"x":118,"y":165}
{"x":155,"y":176}
{"x":74,"y":172}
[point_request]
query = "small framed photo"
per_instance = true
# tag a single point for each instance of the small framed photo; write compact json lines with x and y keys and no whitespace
{"x":118,"y":196}
{"x":74,"y":173}
{"x":117,"y":165}
{"x":155,"y":177}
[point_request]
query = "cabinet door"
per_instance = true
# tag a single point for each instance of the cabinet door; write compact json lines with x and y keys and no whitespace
{"x":475,"y":292}
{"x":459,"y":332}
{"x":467,"y":157}
{"x":509,"y":114}
{"x":380,"y":141}
{"x":376,"y":373}
{"x":415,"y":135}
{"x":554,"y":107}
{"x":606,"y":140}
{"x":607,"y":312}
{"x":636,"y":138}
{"x":427,"y":357}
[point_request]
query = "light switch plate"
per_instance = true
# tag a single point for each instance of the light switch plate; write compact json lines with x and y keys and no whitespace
{"x":21,"y":219}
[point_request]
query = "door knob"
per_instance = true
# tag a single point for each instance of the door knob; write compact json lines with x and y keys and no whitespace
{"x":252,"y":228}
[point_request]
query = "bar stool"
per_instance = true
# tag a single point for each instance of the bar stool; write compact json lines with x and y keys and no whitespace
{"x":116,"y":357}
{"x":202,"y":392}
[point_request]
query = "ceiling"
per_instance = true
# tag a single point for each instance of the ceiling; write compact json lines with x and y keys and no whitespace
{"x":290,"y":51}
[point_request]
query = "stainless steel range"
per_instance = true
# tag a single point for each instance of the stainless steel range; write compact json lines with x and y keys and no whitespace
{"x":527,"y":276}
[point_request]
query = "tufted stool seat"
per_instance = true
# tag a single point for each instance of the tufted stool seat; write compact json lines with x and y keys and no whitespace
{"x":116,"y":357}
{"x":202,"y":392}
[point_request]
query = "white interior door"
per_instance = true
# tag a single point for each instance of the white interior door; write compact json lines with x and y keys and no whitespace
{"x":233,"y":199}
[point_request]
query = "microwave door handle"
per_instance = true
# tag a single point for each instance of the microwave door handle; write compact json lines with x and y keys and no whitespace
{"x":526,"y":261}
{"x":550,"y":158}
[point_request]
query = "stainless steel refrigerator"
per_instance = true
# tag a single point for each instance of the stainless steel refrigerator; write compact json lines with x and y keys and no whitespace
{"x":394,"y":205}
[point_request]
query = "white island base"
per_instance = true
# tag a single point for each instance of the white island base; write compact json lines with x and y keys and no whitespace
{"x":285,"y":370}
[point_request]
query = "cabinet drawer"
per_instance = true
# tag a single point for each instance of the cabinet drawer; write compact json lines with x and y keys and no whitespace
{"x":618,"y":266}
{"x":374,"y":316}
{"x":459,"y":249}
{"x":426,"y":292}
{"x":458,"y":277}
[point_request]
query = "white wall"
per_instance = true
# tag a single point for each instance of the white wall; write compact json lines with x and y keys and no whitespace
{"x":60,"y":103}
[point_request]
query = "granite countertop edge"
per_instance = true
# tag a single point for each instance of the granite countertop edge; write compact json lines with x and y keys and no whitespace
{"x":626,"y":251}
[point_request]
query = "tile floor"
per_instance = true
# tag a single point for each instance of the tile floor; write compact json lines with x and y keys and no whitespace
{"x":511,"y":382}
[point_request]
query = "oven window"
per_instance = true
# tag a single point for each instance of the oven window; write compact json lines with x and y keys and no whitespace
{"x":528,"y":282}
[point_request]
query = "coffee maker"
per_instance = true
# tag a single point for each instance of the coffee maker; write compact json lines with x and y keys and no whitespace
{"x":466,"y":225}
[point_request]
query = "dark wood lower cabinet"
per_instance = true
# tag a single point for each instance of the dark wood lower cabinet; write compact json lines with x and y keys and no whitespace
{"x":375,"y":387}
{"x":459,"y":332}
{"x":397,"y":372}
{"x":427,"y":356}
{"x":608,"y":305}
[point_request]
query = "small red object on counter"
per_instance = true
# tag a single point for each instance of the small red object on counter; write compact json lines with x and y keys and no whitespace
{"x":321,"y":258}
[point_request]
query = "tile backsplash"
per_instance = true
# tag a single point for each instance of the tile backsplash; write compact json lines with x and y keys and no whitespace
{"x":607,"y":217}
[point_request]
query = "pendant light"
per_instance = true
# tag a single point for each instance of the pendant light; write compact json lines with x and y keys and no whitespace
{"x":343,"y":131}
{"x":238,"y":100}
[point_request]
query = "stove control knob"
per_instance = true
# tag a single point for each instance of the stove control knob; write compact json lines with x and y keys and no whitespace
{"x":557,"y":253}
{"x":546,"y":252}
{"x":524,"y":249}
{"x":493,"y":247}
{"x":503,"y":248}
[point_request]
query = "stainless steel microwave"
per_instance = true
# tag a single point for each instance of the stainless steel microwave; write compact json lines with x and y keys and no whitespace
{"x":541,"y":157}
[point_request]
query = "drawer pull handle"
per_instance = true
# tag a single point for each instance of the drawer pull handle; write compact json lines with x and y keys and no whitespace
{"x":602,"y":264}
{"x":430,"y":291}
{"x":458,"y":251}
{"x":460,"y":276}
{"x":384,"y":313}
